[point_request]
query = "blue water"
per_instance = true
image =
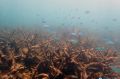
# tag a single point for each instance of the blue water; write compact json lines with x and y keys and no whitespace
{"x":100,"y":17}
{"x":96,"y":16}
{"x":92,"y":13}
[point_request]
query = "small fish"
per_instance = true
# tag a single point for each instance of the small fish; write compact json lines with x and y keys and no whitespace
{"x":87,"y":12}
{"x":81,"y":23}
{"x":46,"y":25}
{"x":81,"y":33}
{"x":63,"y":24}
{"x":73,"y":41}
{"x":109,"y":42}
{"x":93,"y":20}
{"x":106,"y":28}
{"x":37,"y":14}
{"x":114,"y":19}
{"x":78,"y":17}
{"x":100,"y":48}
{"x":76,"y":9}
{"x":43,"y":21}
{"x":99,"y":78}
{"x":74,"y":34}
{"x":73,"y":17}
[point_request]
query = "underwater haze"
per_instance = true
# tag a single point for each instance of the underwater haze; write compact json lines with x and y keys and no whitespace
{"x":96,"y":15}
{"x":60,"y":38}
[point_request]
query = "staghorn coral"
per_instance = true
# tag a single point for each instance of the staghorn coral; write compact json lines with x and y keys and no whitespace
{"x":33,"y":56}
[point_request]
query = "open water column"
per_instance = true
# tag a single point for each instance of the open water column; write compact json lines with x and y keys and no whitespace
{"x":59,"y":39}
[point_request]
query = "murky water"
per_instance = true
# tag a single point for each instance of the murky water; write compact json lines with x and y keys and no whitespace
{"x":97,"y":15}
{"x":98,"y":20}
